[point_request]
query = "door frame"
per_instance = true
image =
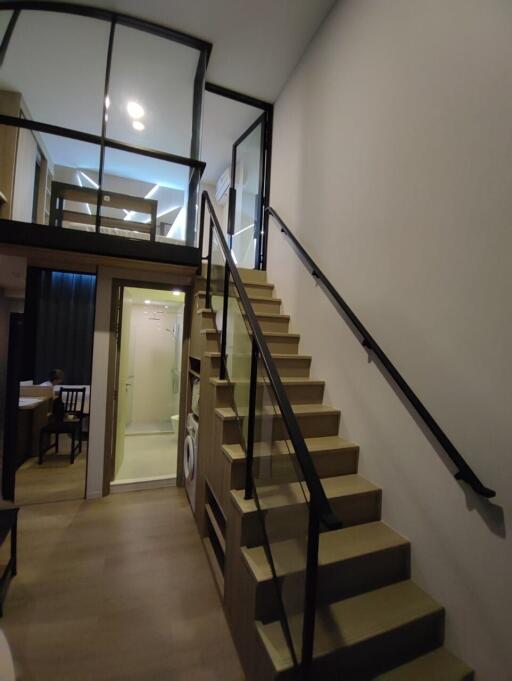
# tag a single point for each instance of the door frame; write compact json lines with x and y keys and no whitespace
{"x":116,"y":315}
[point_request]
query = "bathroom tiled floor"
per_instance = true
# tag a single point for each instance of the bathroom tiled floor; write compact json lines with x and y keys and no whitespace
{"x":148,"y":456}
{"x":116,"y":589}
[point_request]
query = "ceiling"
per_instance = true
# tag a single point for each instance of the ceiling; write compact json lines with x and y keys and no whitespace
{"x":256,"y":43}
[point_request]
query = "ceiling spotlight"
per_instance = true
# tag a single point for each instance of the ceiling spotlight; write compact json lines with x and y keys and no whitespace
{"x":166,"y":307}
{"x":176,"y":293}
{"x":147,"y":302}
{"x":138,"y":126}
{"x":134,"y":110}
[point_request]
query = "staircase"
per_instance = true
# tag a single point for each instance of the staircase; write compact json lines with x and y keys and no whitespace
{"x":373,"y":621}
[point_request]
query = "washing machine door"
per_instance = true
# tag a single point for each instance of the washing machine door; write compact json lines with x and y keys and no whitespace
{"x":189,"y":459}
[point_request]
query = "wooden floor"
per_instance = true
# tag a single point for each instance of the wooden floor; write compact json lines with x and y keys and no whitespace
{"x":55,"y":479}
{"x":116,"y":589}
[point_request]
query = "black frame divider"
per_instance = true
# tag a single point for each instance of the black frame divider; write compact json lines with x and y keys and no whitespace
{"x":464,"y":471}
{"x":115,"y":18}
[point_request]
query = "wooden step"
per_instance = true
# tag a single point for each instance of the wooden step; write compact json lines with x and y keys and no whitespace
{"x":288,"y":366}
{"x":363,"y":635}
{"x":298,"y":390}
{"x":351,"y":561}
{"x":439,"y":665}
{"x":315,"y":420}
{"x":282,"y":343}
{"x":268,"y":322}
{"x":261,"y":289}
{"x":246,"y":274}
{"x":260,"y":304}
{"x":332,"y":456}
{"x":354,"y":500}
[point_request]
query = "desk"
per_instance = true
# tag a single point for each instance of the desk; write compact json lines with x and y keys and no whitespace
{"x":32,"y":416}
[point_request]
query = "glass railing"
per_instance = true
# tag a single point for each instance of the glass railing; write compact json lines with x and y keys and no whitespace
{"x":56,"y":183}
{"x":280,"y":475}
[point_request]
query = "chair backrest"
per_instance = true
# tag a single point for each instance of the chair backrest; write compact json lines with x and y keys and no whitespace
{"x":73,"y":400}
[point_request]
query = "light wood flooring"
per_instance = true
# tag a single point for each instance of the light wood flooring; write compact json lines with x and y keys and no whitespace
{"x":55,"y":479}
{"x":116,"y":589}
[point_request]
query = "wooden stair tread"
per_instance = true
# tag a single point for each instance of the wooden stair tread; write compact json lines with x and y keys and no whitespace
{"x":335,"y":546}
{"x":288,"y":494}
{"x":266,"y":334}
{"x":251,"y":296}
{"x":439,"y":665}
{"x":227,"y":413}
{"x":259,"y":315}
{"x":285,"y":380}
{"x":315,"y":445}
{"x":346,"y":623}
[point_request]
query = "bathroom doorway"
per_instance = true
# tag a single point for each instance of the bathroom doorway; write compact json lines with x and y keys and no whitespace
{"x":148,"y":383}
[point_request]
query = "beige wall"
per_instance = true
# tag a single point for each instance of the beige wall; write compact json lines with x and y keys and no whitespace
{"x":392,"y":162}
{"x":105,"y":277}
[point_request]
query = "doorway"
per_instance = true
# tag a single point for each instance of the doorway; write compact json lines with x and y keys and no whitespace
{"x":148,"y":387}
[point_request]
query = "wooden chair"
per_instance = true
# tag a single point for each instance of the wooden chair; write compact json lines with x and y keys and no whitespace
{"x":68,"y":416}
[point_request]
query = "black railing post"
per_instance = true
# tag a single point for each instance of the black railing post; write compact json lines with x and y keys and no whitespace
{"x":308,"y":626}
{"x":223,"y":337}
{"x":209,"y":268}
{"x":251,"y":421}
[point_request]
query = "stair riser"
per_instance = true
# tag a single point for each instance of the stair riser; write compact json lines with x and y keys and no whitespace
{"x":269,"y":324}
{"x":336,"y":581}
{"x":287,"y":367}
{"x":265,"y":306}
{"x":285,"y":346}
{"x":271,"y":428}
{"x":297,"y":394}
{"x":292,"y":521}
{"x":327,"y":465}
{"x":252,"y":289}
{"x":259,"y":276}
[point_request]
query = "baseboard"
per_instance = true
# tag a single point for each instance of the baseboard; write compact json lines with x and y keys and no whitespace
{"x":121,"y":486}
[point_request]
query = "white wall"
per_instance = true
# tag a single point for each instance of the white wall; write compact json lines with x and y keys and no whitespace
{"x":23,"y":195}
{"x":104,"y":282}
{"x":392,"y":162}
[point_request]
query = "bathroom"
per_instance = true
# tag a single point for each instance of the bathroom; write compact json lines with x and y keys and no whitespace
{"x":150,"y":333}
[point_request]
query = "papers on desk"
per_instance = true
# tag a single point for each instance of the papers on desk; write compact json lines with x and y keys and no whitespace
{"x":30,"y":402}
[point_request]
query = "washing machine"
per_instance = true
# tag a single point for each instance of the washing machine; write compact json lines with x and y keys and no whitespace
{"x":190,"y":459}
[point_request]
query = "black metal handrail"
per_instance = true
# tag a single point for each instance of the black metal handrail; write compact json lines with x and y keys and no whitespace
{"x":464,"y":471}
{"x":317,"y":493}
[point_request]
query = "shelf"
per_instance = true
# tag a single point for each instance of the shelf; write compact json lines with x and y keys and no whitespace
{"x":216,"y":569}
{"x":194,"y":373}
{"x":216,"y":528}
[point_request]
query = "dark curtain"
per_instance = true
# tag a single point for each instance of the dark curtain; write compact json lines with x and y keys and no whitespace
{"x":62,"y":311}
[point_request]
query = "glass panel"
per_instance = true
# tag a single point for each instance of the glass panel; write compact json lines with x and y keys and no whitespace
{"x":248,"y":198}
{"x":276,"y":474}
{"x":144,"y":198}
{"x":57,"y":62}
{"x":51,"y":179}
{"x":149,"y":369}
{"x":151,"y":91}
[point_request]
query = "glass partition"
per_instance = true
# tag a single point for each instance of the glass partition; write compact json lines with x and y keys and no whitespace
{"x":56,"y":72}
{"x":144,"y":197}
{"x":248,"y":157}
{"x":151,"y":91}
{"x":57,"y":62}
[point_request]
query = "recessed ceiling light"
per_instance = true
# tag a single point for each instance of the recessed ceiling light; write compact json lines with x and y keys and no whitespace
{"x":176,"y":293}
{"x":134,"y":109}
{"x":138,"y":126}
{"x":147,"y":302}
